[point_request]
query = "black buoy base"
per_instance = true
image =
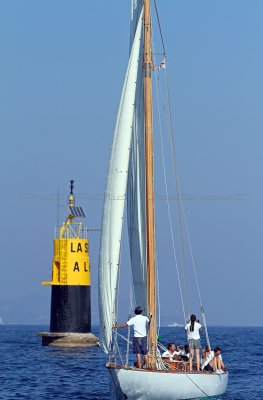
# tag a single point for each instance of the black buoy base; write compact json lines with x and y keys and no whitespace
{"x":70,"y":309}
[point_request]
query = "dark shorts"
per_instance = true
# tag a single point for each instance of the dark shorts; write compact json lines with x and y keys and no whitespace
{"x":208,"y":368}
{"x":140,"y":345}
{"x":194,"y":344}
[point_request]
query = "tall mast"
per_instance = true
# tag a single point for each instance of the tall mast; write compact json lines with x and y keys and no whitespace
{"x":150,"y":242}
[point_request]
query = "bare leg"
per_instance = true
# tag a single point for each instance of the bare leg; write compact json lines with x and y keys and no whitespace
{"x":139,"y":360}
{"x":197,"y":354}
{"x":212,"y":365}
{"x":219,"y":364}
{"x":215,"y":364}
{"x":146,"y":360}
{"x":191,"y":359}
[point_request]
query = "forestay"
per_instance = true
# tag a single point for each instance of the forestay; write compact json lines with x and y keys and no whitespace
{"x":115,"y":194}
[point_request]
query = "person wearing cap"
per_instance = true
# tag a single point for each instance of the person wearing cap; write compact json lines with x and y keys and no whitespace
{"x":140,"y":325}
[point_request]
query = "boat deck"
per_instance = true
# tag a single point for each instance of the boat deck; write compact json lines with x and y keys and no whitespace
{"x":176,"y":367}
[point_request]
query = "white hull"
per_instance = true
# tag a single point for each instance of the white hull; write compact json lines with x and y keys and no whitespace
{"x":150,"y":385}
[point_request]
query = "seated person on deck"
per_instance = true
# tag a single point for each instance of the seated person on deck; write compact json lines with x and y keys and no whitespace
{"x":212,"y":360}
{"x":185,"y":353}
{"x":171,"y":352}
{"x":206,"y":359}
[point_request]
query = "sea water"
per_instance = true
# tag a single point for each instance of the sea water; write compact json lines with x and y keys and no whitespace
{"x":31,"y":371}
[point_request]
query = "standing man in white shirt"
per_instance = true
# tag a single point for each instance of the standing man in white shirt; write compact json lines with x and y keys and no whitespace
{"x":193,"y":329}
{"x":140,"y":325}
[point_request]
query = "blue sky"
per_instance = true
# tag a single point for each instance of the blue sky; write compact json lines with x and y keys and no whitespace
{"x":61,"y":73}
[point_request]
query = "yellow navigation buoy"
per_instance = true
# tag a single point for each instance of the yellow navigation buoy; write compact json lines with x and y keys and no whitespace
{"x":70,"y":294}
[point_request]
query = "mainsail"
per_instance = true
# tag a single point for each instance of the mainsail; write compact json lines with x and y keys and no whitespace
{"x":136,"y":180}
{"x":115,"y":195}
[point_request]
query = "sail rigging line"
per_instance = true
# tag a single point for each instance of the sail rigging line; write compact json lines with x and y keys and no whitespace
{"x":113,"y":379}
{"x":184,"y":269}
{"x":178,"y":183}
{"x":116,"y":305}
{"x":123,"y":337}
{"x":187,"y":375}
{"x":195,"y":274}
{"x":128,"y":345}
{"x":166,"y":189}
{"x":118,"y":348}
{"x":158,"y":293}
{"x":177,"y":187}
{"x":178,"y":207}
{"x":129,"y":328}
{"x":131,"y":296}
{"x":159,"y":25}
{"x":180,"y":202}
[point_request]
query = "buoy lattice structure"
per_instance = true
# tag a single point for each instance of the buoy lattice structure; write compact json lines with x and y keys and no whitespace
{"x":70,"y":317}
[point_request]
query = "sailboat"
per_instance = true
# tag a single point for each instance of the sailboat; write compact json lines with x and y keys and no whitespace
{"x":131,"y":177}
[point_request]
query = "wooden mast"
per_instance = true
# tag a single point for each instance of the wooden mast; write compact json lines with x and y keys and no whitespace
{"x":150,"y":242}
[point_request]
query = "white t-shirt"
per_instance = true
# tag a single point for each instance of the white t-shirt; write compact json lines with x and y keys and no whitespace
{"x":195,"y":334}
{"x":139,"y":323}
{"x":183,"y":353}
{"x":210,"y":356}
{"x":167,"y":354}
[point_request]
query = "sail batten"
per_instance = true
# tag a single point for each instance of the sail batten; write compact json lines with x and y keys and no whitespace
{"x":115,"y":196}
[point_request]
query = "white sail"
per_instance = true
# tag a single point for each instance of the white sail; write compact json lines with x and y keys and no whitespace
{"x":136,"y":181}
{"x":136,"y":9}
{"x":115,"y":195}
